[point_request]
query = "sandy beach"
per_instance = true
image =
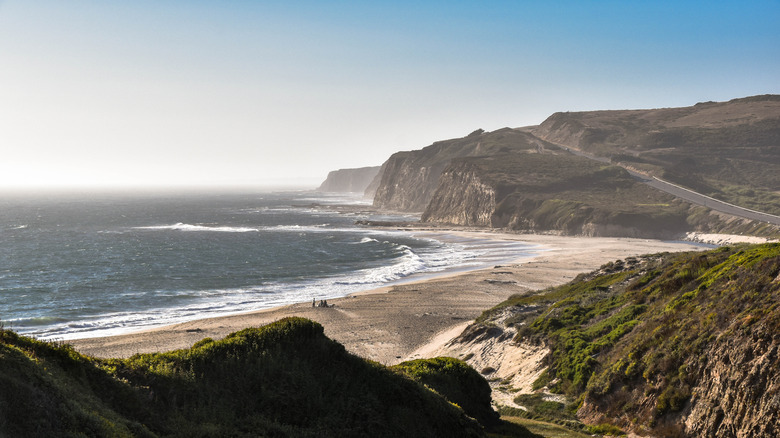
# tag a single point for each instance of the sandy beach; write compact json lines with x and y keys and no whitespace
{"x":391,"y":324}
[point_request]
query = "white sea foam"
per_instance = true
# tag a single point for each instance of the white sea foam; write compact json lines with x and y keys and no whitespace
{"x":189,"y":227}
{"x":444,"y":253}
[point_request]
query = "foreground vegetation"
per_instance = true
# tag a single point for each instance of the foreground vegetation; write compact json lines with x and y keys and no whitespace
{"x":284,"y":379}
{"x":633,"y":342}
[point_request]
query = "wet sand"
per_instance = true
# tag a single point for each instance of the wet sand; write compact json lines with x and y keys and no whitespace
{"x":390,"y":324}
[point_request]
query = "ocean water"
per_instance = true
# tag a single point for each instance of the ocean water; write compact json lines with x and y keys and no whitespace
{"x":94,"y":265}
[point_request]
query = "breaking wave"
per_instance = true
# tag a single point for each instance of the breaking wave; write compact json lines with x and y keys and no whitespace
{"x":189,"y":227}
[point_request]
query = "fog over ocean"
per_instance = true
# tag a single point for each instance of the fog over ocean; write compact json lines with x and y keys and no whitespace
{"x":95,"y":265}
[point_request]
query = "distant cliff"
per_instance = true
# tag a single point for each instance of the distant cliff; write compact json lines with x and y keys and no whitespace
{"x":408,"y":180}
{"x":349,"y":180}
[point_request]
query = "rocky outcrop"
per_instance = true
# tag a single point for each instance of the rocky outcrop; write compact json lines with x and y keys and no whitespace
{"x":738,"y":391}
{"x":349,"y":180}
{"x":409,"y":179}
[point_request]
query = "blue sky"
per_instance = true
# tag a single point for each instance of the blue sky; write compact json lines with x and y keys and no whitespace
{"x":174,"y":93}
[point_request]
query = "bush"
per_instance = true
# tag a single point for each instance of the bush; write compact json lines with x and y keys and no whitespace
{"x":457,"y":382}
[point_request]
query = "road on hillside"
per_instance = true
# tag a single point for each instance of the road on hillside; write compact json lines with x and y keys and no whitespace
{"x":690,"y":195}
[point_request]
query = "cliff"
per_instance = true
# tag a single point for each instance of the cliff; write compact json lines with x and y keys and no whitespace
{"x":667,"y":345}
{"x":727,"y":150}
{"x":528,"y":179}
{"x":408,"y":179}
{"x":545,"y":192}
{"x":349,"y":180}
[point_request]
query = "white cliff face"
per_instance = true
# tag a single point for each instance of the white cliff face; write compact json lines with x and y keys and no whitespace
{"x":462,"y":199}
{"x":409,"y":179}
{"x":405,"y":185}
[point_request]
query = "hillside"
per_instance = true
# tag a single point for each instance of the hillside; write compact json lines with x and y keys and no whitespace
{"x":728,"y":150}
{"x":528,"y":179}
{"x":570,"y":195}
{"x":284,"y":379}
{"x":349,"y":180}
{"x":536,"y":192}
{"x":408,"y":180}
{"x":665,"y":345}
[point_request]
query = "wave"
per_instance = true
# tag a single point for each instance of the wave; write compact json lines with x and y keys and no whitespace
{"x":35,"y":321}
{"x":189,"y":227}
{"x":407,"y":261}
{"x":219,"y":302}
{"x":407,"y":264}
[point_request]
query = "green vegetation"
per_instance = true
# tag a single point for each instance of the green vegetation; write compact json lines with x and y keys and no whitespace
{"x":283,"y":379}
{"x":632,"y":339}
{"x":546,"y":429}
{"x":540,"y":408}
{"x":455,"y":381}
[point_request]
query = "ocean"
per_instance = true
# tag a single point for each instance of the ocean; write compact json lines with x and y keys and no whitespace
{"x":74,"y":266}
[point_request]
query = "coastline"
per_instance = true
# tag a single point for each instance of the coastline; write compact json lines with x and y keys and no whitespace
{"x":393,"y":323}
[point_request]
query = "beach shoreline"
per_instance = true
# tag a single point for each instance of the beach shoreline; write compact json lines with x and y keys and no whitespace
{"x":393,"y":323}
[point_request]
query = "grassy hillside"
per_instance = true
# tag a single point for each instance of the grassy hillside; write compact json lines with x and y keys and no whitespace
{"x":728,"y":150}
{"x":671,"y":344}
{"x":284,"y":379}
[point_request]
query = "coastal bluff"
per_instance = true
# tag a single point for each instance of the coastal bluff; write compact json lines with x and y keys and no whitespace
{"x":584,"y":173}
{"x":408,"y":180}
{"x":349,"y":180}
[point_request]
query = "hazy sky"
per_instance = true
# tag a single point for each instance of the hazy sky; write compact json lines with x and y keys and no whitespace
{"x":176,"y":92}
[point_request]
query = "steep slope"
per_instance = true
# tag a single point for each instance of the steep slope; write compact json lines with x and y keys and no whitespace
{"x":567,"y":194}
{"x":284,"y":379}
{"x":408,"y":180}
{"x":349,"y":180}
{"x":728,"y":150}
{"x":664,"y":345}
{"x":564,"y":193}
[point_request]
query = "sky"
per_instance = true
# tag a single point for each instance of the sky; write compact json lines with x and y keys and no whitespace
{"x":179,"y":93}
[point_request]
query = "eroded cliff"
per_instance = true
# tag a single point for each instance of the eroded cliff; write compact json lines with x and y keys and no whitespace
{"x":547,"y":192}
{"x":409,"y":179}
